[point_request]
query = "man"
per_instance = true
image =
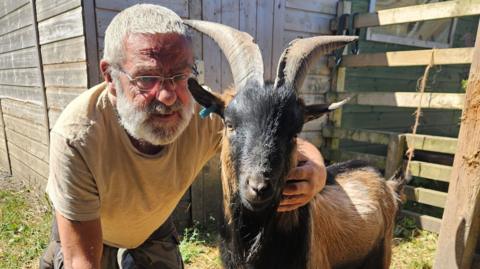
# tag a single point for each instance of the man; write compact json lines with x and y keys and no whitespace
{"x":124,"y":152}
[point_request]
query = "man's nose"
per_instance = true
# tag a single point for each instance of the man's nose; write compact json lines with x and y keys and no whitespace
{"x":166,"y":94}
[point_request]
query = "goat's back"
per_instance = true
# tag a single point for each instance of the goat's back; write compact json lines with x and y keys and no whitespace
{"x":352,"y":217}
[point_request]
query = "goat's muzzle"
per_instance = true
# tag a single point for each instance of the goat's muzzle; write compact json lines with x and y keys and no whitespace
{"x":257,"y":192}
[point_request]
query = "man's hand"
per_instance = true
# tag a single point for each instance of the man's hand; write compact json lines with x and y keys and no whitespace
{"x":305,"y":180}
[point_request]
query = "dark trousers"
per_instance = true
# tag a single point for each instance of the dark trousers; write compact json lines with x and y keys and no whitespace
{"x":160,"y":251}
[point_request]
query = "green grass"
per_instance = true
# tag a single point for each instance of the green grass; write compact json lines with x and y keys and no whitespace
{"x":199,"y":248}
{"x":24,"y":230}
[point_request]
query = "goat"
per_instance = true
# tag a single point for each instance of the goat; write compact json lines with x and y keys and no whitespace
{"x":349,"y":224}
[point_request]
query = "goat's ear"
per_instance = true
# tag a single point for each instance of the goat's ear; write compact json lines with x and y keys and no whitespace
{"x":312,"y":112}
{"x":210,"y":101}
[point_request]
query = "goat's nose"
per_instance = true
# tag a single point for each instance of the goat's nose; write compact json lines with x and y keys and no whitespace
{"x":260,"y":187}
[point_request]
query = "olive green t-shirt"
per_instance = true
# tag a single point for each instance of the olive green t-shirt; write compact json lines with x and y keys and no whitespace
{"x":95,"y":171}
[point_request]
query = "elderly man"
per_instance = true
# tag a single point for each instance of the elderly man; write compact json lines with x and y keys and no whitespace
{"x":124,"y":152}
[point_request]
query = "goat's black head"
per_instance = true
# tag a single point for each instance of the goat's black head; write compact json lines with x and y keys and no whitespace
{"x":262,"y":120}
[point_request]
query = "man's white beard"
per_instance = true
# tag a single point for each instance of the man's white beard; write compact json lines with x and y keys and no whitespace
{"x":138,"y":123}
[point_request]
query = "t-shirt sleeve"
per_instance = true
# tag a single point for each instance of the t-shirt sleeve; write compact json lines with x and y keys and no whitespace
{"x":71,"y":186}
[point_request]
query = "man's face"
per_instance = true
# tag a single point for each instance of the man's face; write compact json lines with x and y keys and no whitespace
{"x":158,"y":114}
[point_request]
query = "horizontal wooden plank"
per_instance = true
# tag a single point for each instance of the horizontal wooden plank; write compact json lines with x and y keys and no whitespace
{"x":344,"y":155}
{"x":404,"y":99}
{"x":66,"y":75}
{"x":359,"y":135}
{"x":299,"y":20}
{"x":28,"y":145}
{"x":4,"y":162}
{"x":179,"y":6}
{"x":20,"y":77}
{"x":22,"y":170}
{"x":33,"y":94}
{"x":65,"y":51}
{"x":33,"y":131}
{"x":431,"y":170}
{"x":59,"y":98}
{"x":426,"y":196}
{"x":53,"y":115}
{"x":50,"y":8}
{"x":424,"y":222}
{"x":7,"y":6}
{"x":414,"y":13}
{"x":16,"y":20}
{"x":409,"y":58}
{"x":324,"y":6}
{"x":20,"y":39}
{"x":19,"y":153}
{"x":27,"y":112}
{"x":432,"y":143}
{"x":24,"y":58}
{"x":63,"y":26}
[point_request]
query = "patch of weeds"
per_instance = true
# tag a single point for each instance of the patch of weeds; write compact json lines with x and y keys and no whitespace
{"x":198,"y":248}
{"x":23,"y":231}
{"x":413,"y":248}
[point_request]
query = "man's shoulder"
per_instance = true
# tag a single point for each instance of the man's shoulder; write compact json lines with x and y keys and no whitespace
{"x":80,"y":115}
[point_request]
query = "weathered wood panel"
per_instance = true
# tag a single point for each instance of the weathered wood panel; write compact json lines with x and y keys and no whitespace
{"x":20,"y":77}
{"x":104,"y":17}
{"x":230,"y":17}
{"x":69,"y":50}
{"x":28,"y":145}
{"x":66,"y":75}
{"x":431,"y":171}
{"x":424,"y":222}
{"x":7,"y":6}
{"x":343,"y":155}
{"x":63,"y":26}
{"x":264,"y":34}
{"x":359,"y":135}
{"x":179,"y":6}
{"x":59,"y":98}
{"x":30,"y":129}
{"x":20,"y":39}
{"x":50,"y":8}
{"x":28,"y":112}
{"x":303,"y":21}
{"x":278,"y":34}
{"x":19,"y":59}
{"x":17,"y":19}
{"x":325,"y":6}
{"x":53,"y":115}
{"x":212,"y":55}
{"x":19,"y":153}
{"x":33,"y":94}
{"x":425,"y":196}
{"x":432,"y":143}
{"x":22,"y":170}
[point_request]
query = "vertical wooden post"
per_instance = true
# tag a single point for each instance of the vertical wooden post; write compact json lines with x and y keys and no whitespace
{"x":338,"y":79}
{"x":395,"y":152}
{"x":461,"y":219}
{"x":91,"y":42}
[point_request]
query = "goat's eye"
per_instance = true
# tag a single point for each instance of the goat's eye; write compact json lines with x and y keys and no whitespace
{"x":229,"y":125}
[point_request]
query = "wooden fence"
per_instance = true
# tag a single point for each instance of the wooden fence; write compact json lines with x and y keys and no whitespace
{"x":396,"y":144}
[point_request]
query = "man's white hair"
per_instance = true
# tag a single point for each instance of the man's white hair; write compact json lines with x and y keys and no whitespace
{"x":140,"y":19}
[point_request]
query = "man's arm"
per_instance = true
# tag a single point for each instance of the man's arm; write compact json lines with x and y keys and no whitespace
{"x":81,"y":242}
{"x":305,"y":180}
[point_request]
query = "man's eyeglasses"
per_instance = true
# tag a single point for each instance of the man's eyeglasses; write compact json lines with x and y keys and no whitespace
{"x":147,"y":83}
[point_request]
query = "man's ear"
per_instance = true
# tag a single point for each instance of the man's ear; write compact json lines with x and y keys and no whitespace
{"x":210,"y":101}
{"x":104,"y":68}
{"x":312,"y":112}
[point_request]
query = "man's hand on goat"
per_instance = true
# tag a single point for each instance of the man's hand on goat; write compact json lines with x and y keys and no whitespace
{"x":306,"y":179}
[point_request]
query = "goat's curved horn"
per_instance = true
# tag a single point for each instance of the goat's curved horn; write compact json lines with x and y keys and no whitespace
{"x":301,"y":53}
{"x":239,"y":48}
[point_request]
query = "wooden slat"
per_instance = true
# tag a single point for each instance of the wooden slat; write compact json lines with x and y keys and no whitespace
{"x":66,"y":75}
{"x":22,"y":93}
{"x":212,"y":55}
{"x":91,"y":45}
{"x":298,"y":20}
{"x":23,"y":170}
{"x":359,"y":135}
{"x":431,"y":170}
{"x":426,"y":196}
{"x":278,"y":32}
{"x":433,"y":11}
{"x":63,"y":26}
{"x":424,"y":222}
{"x":179,"y":6}
{"x":30,"y":129}
{"x":7,"y":6}
{"x":264,"y":34}
{"x":406,"y":99}
{"x":59,"y":98}
{"x":20,"y":77}
{"x":324,"y":6}
{"x":20,"y":39}
{"x":230,"y":17}
{"x":33,"y":162}
{"x":432,"y":143}
{"x":50,"y":8}
{"x":16,"y":20}
{"x":344,"y":155}
{"x":27,"y":112}
{"x":65,"y":51}
{"x":409,"y":58}
{"x":28,"y":145}
{"x":19,"y":59}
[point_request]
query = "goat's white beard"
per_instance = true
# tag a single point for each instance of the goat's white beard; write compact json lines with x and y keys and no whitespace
{"x":136,"y":121}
